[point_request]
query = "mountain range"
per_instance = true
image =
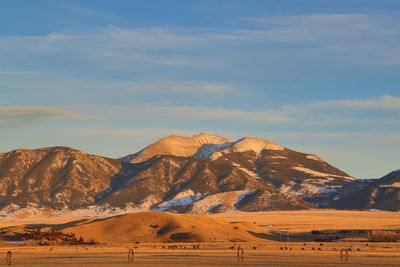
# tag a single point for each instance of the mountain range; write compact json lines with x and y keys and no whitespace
{"x":204,"y":173}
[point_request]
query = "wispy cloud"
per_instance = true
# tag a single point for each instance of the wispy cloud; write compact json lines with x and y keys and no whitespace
{"x":382,"y":102}
{"x":22,"y":72}
{"x":176,"y":87}
{"x":143,"y":132}
{"x":358,"y":38}
{"x":77,"y":8}
{"x":380,"y":112}
{"x":200,"y":88}
{"x":162,"y":113}
{"x":11,"y":117}
{"x":349,"y":38}
{"x":217,"y":113}
{"x":313,"y":27}
{"x":309,"y":118}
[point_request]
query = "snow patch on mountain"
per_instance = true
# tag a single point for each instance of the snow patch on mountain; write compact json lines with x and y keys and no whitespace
{"x":246,"y":171}
{"x":203,"y":146}
{"x":185,"y":193}
{"x":321,"y":174}
{"x":329,"y":190}
{"x":255,"y":144}
{"x":397,"y":185}
{"x":225,"y":199}
{"x":176,"y":145}
{"x":206,"y":151}
{"x":184,"y":198}
{"x":277,"y":157}
{"x":149,"y":201}
{"x":313,"y":157}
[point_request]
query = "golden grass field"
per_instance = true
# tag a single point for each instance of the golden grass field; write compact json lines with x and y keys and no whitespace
{"x":215,"y":241}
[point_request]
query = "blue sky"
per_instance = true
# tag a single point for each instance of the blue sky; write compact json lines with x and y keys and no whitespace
{"x":109,"y":77}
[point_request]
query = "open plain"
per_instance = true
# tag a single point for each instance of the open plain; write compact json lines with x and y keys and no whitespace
{"x":267,"y":246}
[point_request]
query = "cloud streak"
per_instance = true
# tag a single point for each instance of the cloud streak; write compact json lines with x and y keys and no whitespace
{"x":12,"y":117}
{"x":355,"y":38}
{"x":383,"y":102}
{"x":217,"y":113}
{"x":152,"y":112}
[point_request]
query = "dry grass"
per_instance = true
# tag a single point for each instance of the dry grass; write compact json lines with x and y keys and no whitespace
{"x":257,"y":251}
{"x":308,"y":220}
{"x":209,"y":254}
{"x":383,"y":236}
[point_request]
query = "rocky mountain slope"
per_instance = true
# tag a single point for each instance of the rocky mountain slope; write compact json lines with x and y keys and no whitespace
{"x":57,"y":177}
{"x":289,"y":171}
{"x":382,"y":194}
{"x":199,"y":174}
{"x":64,"y":178}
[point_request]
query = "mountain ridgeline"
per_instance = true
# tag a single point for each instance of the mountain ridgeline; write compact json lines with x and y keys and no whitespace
{"x":200,"y":174}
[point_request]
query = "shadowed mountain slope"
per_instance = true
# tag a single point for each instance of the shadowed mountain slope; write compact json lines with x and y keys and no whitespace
{"x":382,"y":194}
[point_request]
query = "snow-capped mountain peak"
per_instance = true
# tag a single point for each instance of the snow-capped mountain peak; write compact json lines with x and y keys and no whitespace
{"x":175,"y":145}
{"x":203,"y":146}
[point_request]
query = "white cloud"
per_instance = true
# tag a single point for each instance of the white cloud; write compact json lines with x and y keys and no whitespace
{"x":382,"y":102}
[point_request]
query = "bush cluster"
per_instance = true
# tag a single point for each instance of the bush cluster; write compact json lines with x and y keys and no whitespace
{"x":383,"y":236}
